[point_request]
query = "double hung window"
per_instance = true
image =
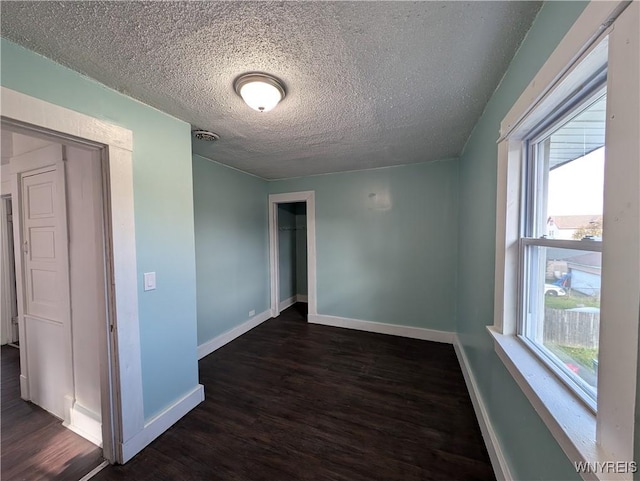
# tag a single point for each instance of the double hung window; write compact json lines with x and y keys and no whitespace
{"x":561,"y":239}
{"x":567,"y":236}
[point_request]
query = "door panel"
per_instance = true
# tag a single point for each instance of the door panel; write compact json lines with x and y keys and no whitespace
{"x":43,"y":292}
{"x":42,"y":242}
{"x":40,"y":196}
{"x":46,"y":364}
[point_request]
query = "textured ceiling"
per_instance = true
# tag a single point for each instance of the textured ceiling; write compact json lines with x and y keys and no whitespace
{"x":369,"y":84}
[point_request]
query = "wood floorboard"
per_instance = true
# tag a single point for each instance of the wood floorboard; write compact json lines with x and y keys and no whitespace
{"x":34,"y":443}
{"x":295,"y":401}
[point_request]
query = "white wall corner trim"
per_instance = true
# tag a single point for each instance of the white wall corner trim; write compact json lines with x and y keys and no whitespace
{"x":383,"y":328}
{"x":302,"y":298}
{"x":287,"y":303}
{"x":228,"y":336}
{"x":161,"y":422}
{"x":497,"y":457}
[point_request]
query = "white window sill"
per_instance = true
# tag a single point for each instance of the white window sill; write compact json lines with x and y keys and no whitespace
{"x":571,"y":423}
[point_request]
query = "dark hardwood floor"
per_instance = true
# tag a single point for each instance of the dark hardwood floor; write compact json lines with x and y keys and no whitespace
{"x":34,"y":444}
{"x":297,"y":401}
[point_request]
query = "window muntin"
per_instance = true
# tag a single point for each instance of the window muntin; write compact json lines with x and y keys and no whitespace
{"x":560,"y":247}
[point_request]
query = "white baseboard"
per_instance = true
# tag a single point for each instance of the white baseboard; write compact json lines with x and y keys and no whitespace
{"x":228,"y":336}
{"x":160,"y":423}
{"x":287,"y":303}
{"x":86,"y":423}
{"x":68,"y":401}
{"x":498,"y":460}
{"x":291,"y":301}
{"x":382,"y":328}
{"x":24,"y":387}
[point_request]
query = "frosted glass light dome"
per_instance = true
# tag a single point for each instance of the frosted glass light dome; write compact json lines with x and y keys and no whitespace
{"x":261,"y":92}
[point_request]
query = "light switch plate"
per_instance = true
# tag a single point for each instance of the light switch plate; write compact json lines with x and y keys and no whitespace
{"x":149,"y":281}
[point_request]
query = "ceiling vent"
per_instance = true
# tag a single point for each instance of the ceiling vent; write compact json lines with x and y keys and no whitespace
{"x":205,"y":135}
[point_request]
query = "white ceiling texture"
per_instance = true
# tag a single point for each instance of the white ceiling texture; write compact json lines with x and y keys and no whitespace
{"x":369,"y":84}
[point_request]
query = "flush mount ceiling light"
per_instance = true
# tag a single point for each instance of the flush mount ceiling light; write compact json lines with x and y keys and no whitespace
{"x":260,"y":91}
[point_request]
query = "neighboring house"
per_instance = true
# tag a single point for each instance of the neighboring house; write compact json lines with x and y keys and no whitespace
{"x":576,"y":270}
{"x":565,"y":226}
{"x":585,"y":273}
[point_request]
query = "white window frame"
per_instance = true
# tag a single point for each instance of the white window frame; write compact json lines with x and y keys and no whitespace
{"x":530,"y":236}
{"x":585,"y":436}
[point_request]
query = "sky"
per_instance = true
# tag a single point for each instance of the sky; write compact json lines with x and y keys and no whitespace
{"x":576,"y":187}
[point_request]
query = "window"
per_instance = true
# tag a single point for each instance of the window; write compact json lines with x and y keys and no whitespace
{"x":561,"y":243}
{"x":567,"y":238}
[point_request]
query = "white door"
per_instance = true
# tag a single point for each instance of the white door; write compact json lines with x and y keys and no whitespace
{"x":46,"y":283}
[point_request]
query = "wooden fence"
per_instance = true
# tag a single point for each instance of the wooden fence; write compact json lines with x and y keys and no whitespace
{"x":571,"y":328}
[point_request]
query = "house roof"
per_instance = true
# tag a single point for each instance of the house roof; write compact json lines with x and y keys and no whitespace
{"x":575,"y":257}
{"x":574,"y":221}
{"x":589,"y":259}
{"x":368,"y":84}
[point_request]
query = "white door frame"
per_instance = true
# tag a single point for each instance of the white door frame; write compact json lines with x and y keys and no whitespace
{"x":8,"y":282}
{"x":120,"y":360}
{"x":308,"y":197}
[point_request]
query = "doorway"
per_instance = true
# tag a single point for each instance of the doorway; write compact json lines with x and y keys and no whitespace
{"x":9,"y":304}
{"x":123,"y":421}
{"x":292,"y":254}
{"x":60,"y":293}
{"x":292,"y":246}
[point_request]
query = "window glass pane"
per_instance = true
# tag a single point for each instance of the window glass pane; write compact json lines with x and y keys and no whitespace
{"x":570,"y":176}
{"x":563,"y":310}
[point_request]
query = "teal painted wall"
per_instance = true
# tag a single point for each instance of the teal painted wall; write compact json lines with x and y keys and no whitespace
{"x":232,"y":246}
{"x":287,"y":250}
{"x":163,"y":200}
{"x":531,"y":450}
{"x":301,"y":248}
{"x":386,"y":243}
